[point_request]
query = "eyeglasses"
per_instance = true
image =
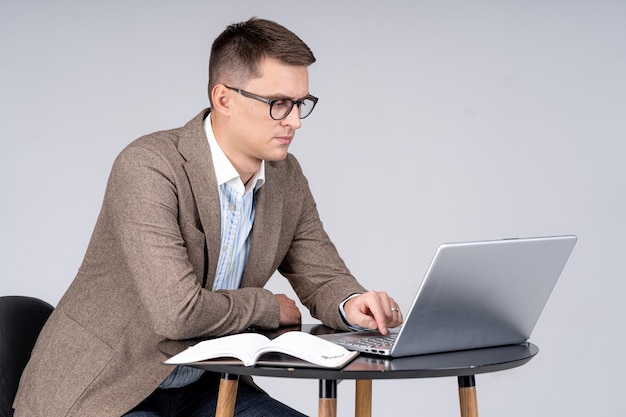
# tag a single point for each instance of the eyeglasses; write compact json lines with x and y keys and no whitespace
{"x":281,"y":107}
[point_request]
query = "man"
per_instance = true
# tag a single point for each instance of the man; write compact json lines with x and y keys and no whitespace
{"x":194,"y":222}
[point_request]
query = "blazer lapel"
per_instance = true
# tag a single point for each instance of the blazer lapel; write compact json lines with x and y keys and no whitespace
{"x":265,"y":232}
{"x":194,"y":147}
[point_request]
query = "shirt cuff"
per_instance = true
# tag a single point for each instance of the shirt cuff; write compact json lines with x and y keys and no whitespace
{"x":343,"y":314}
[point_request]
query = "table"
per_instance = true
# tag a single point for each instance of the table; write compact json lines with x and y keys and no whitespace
{"x":462,"y":364}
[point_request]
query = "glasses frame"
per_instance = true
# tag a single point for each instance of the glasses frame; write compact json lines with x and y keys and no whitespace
{"x":272,"y":101}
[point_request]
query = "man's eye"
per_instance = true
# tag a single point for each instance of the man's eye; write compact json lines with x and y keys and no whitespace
{"x":280,"y":104}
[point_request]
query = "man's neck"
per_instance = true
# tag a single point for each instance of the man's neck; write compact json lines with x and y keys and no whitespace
{"x":245,"y":168}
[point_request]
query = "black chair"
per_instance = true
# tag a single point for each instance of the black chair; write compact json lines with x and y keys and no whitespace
{"x":21,"y":320}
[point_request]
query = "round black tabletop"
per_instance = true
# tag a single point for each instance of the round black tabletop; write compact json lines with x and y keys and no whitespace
{"x":459,"y":363}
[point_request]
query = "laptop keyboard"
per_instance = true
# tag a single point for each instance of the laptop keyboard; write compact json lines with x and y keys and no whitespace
{"x":371,"y":342}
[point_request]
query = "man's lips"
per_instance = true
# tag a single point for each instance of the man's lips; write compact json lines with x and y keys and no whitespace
{"x":285,"y":140}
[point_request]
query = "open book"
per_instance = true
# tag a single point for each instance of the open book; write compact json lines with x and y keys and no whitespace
{"x":256,"y":349}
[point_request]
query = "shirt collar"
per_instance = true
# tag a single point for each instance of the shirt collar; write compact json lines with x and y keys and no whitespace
{"x":225,"y":172}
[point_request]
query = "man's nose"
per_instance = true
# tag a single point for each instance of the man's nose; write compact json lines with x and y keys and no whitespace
{"x":293,"y":118}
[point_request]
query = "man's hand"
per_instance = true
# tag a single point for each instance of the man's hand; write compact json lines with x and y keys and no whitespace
{"x":373,"y":310}
{"x":289,"y":313}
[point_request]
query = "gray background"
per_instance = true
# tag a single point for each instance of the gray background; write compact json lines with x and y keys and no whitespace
{"x":437,"y":122}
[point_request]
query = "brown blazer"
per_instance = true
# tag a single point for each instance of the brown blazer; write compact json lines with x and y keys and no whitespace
{"x":149,"y":269}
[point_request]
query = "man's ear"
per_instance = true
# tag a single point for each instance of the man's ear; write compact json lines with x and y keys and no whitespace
{"x":220,"y":97}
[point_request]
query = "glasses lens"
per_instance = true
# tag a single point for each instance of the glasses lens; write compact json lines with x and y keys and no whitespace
{"x":280,"y":109}
{"x":306,"y":107}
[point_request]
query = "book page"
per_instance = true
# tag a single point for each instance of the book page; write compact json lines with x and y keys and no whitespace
{"x":310,"y":348}
{"x":241,"y":346}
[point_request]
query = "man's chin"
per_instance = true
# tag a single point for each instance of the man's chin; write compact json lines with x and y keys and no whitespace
{"x":278,"y":156}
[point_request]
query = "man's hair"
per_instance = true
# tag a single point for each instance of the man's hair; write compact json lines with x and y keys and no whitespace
{"x":237,"y":52}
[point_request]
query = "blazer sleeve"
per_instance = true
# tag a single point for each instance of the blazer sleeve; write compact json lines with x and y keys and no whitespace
{"x":312,"y":264}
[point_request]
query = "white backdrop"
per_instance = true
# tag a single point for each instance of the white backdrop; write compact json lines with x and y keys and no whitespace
{"x":437,"y":122}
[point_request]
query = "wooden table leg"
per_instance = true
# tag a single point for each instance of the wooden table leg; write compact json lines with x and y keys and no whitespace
{"x":363,"y":400}
{"x":227,"y":395}
{"x":467,"y":396}
{"x":328,"y":398}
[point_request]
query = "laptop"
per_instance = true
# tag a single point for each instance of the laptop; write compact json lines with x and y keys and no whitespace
{"x":474,"y":295}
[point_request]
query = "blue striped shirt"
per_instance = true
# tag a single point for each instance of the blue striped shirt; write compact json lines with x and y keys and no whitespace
{"x":237,"y":220}
{"x":237,"y":208}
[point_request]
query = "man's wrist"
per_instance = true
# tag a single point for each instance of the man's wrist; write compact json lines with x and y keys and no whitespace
{"x":343,"y":313}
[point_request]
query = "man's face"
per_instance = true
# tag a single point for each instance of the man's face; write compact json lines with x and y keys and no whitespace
{"x":255,"y":135}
